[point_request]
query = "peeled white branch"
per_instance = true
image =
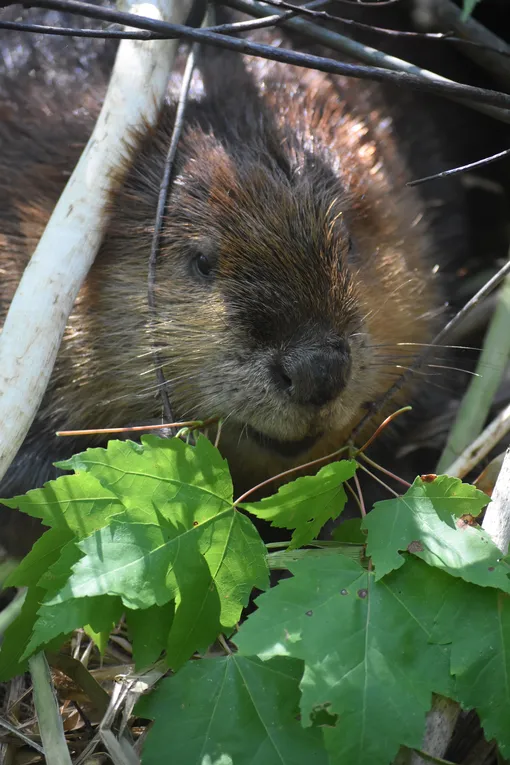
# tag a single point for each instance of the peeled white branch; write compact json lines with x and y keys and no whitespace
{"x":497,"y":516}
{"x":38,"y":314}
{"x":482,"y":445}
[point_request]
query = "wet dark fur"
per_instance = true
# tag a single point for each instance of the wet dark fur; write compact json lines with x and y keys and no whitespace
{"x":293,"y":184}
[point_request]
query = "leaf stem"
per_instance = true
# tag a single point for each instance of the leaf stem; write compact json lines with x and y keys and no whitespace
{"x":360,"y":496}
{"x":354,"y":496}
{"x":369,"y":472}
{"x":381,"y":427}
{"x":385,"y":471}
{"x":295,"y":469}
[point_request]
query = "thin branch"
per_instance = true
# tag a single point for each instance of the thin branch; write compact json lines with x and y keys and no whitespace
{"x":361,"y":501}
{"x":443,"y":87}
{"x":158,"y":223}
{"x":449,"y":37}
{"x":19,"y":734}
{"x":462,"y":168}
{"x":144,"y":34}
{"x":381,"y":427}
{"x":376,"y":478}
{"x":364,"y":53}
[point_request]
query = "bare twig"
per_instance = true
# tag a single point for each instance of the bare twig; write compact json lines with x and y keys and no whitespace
{"x":361,"y":52}
{"x":498,"y":49}
{"x":158,"y":223}
{"x":19,"y":734}
{"x":443,"y":88}
{"x":144,"y":34}
{"x":462,"y":168}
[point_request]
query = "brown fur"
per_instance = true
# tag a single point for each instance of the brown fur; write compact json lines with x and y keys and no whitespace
{"x":279,"y":170}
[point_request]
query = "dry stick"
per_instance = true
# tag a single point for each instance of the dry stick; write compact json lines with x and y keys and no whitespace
{"x":361,"y":52}
{"x":59,"y":265}
{"x":320,"y":63}
{"x":19,"y":734}
{"x":143,"y":34}
{"x":306,"y":10}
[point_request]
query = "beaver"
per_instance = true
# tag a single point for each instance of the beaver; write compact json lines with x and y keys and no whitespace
{"x":294,"y":262}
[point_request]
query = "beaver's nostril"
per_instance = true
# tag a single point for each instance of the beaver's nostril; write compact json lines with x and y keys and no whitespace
{"x":313,"y":374}
{"x":282,"y":380}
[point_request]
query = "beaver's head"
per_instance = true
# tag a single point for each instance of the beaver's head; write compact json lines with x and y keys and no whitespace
{"x":287,"y":277}
{"x":270,"y":310}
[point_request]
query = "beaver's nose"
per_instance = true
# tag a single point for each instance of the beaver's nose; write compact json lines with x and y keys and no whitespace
{"x":313,"y":375}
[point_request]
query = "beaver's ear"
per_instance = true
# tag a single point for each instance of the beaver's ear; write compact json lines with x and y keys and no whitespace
{"x":205,"y":168}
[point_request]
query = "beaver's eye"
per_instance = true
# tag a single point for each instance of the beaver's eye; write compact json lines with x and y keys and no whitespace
{"x":351,"y":247}
{"x":202,"y":265}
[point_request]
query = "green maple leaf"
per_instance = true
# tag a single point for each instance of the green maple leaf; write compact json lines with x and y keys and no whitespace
{"x":367,"y":650}
{"x":307,"y":503}
{"x":17,"y":635}
{"x":208,"y":568}
{"x":78,"y":505}
{"x":148,"y":631}
{"x":427,"y":521}
{"x":34,"y":567}
{"x":233,"y":710}
{"x":32,"y":573}
{"x":158,"y":531}
{"x":162,"y":477}
{"x":476,"y":622}
{"x":58,"y":621}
